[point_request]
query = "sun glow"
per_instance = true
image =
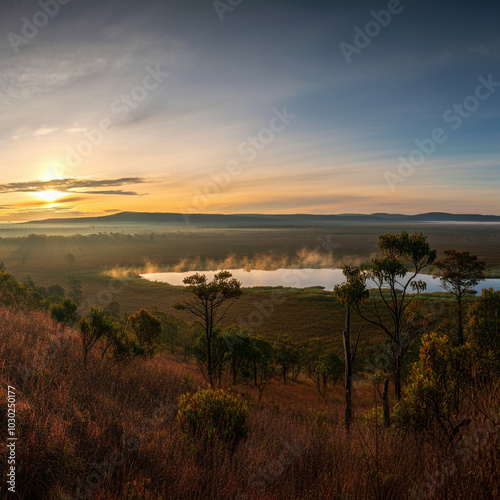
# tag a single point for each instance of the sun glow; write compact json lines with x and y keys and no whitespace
{"x":50,"y":195}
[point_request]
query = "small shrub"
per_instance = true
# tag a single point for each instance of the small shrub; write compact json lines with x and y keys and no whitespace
{"x":211,"y":416}
{"x":440,"y":384}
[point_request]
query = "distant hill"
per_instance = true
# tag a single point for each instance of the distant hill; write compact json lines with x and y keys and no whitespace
{"x":134,"y":218}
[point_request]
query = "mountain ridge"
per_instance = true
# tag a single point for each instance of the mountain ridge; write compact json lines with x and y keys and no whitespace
{"x":250,"y":218}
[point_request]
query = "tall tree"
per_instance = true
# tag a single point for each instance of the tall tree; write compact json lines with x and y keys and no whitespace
{"x":209,"y":305}
{"x":458,"y":272}
{"x":392,"y":279}
{"x":351,"y":294}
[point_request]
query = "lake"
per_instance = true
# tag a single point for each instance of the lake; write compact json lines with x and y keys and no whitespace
{"x":296,"y":278}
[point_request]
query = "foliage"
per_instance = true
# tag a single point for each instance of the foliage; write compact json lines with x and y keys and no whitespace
{"x":209,"y":306}
{"x":440,"y":383}
{"x":70,"y":259}
{"x":97,"y":325}
{"x":402,"y":254}
{"x":25,"y":296}
{"x":261,"y":363}
{"x":286,"y":355}
{"x":75,"y":291}
{"x":219,"y":356}
{"x":239,"y":348}
{"x":483,"y":329}
{"x":172,"y":329}
{"x":322,"y":365}
{"x":147,"y":329}
{"x":64,"y":312}
{"x":56,"y":292}
{"x":211,"y":417}
{"x":458,"y":272}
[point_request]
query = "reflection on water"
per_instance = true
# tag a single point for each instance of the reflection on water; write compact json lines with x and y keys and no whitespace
{"x":296,"y":278}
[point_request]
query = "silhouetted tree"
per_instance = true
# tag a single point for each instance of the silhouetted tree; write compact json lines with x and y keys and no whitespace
{"x":147,"y":329}
{"x":70,"y":260}
{"x":209,"y":305}
{"x":94,"y":327}
{"x":458,"y":272}
{"x":64,"y":312}
{"x":402,"y":255}
{"x":351,"y":294}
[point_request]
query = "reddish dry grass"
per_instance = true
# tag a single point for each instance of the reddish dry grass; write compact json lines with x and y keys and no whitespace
{"x":104,"y":427}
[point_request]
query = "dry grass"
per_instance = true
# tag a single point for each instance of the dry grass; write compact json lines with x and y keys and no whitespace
{"x":113,"y":430}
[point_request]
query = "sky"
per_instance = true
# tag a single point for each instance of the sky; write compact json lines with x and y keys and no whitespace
{"x":248,"y":106}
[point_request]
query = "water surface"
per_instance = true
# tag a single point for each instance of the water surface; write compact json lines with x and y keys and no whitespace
{"x":297,"y":278}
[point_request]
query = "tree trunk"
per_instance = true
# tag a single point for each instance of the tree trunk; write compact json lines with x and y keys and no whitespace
{"x":397,"y":378}
{"x":460,"y":326}
{"x":385,"y":399}
{"x":348,"y":370}
{"x":348,"y":380}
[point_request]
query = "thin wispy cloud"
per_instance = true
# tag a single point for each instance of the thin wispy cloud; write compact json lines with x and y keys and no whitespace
{"x":71,"y":185}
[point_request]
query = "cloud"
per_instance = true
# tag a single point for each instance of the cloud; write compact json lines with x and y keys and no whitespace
{"x":72,"y":185}
{"x":45,"y":130}
{"x":75,"y":130}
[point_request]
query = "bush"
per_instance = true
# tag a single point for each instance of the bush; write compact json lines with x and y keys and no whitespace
{"x":211,"y":417}
{"x":440,"y":385}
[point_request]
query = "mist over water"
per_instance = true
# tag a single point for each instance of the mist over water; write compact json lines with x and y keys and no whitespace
{"x":302,"y":259}
{"x":298,"y":278}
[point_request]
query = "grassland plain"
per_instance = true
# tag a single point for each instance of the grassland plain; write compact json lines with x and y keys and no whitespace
{"x":302,"y":314}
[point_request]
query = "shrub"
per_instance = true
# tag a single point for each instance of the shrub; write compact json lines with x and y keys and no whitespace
{"x":147,"y":329}
{"x":211,"y":417}
{"x":440,"y":384}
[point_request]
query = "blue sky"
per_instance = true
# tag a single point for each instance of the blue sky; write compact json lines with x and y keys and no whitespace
{"x":178,"y":146}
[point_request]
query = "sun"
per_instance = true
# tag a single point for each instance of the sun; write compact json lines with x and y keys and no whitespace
{"x":50,"y":195}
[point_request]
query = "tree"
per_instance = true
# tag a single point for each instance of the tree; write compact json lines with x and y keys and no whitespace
{"x":239,"y":346}
{"x":172,"y":328}
{"x":261,"y":363}
{"x":94,"y":327}
{"x":209,"y":305}
{"x":219,"y":352}
{"x":70,"y":259}
{"x":441,"y":383}
{"x":351,"y":294}
{"x":458,"y":272}
{"x":64,"y":312}
{"x":56,"y":291}
{"x":75,"y":292}
{"x":286,"y":355}
{"x":402,"y":255}
{"x":483,"y":328}
{"x":322,"y":365}
{"x":147,"y":329}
